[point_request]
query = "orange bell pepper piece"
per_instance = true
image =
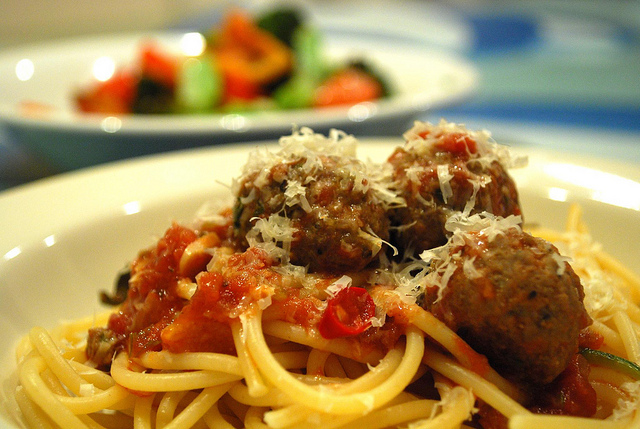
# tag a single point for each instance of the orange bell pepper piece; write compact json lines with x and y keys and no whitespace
{"x":248,"y":56}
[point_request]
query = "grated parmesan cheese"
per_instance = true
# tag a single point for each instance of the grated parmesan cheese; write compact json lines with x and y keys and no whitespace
{"x":560,"y":260}
{"x":342,"y":283}
{"x":444,"y":263}
{"x":301,"y":144}
{"x":413,"y":173}
{"x":470,"y":270}
{"x":599,"y":285}
{"x":487,"y":149}
{"x":444,"y":177}
{"x":626,"y":408}
{"x":478,"y":183}
{"x":408,"y":279}
{"x":273,"y":235}
{"x":485,"y":223}
{"x":304,"y":144}
{"x":209,"y":213}
{"x":296,"y":194}
{"x":249,"y":198}
{"x":377,"y":321}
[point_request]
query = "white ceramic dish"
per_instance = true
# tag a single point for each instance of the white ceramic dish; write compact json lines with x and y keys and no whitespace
{"x":423,"y":79}
{"x":63,"y":239}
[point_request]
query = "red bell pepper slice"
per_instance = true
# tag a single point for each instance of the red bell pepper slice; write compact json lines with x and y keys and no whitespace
{"x":349,"y":86}
{"x":157,"y":65}
{"x":348,"y":313}
{"x":113,"y":96}
{"x":238,"y":88}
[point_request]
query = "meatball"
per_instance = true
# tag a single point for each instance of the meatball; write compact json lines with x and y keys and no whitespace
{"x":513,"y":298}
{"x":338,"y":223}
{"x":443,"y":169}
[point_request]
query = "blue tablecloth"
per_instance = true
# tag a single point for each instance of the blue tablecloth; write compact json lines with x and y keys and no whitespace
{"x":564,"y":74}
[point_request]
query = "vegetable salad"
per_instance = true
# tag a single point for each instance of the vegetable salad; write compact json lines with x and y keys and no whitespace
{"x":272,"y":61}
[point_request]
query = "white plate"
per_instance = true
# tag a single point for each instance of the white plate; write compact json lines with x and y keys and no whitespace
{"x":423,"y":79}
{"x":63,"y":239}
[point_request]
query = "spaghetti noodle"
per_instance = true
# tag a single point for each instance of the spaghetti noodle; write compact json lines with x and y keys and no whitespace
{"x":239,"y":338}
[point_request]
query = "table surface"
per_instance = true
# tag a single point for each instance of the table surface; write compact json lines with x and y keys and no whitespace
{"x":560,"y":74}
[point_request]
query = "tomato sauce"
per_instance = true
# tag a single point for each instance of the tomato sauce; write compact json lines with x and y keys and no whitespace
{"x":152,"y":301}
{"x":201,"y":325}
{"x":458,"y":144}
{"x":156,"y":317}
{"x":571,"y":393}
{"x":295,"y":308}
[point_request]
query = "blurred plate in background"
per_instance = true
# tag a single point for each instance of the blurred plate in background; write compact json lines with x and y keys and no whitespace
{"x":47,"y":75}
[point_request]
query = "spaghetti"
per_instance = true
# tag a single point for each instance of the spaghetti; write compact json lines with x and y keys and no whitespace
{"x":238,"y":337}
